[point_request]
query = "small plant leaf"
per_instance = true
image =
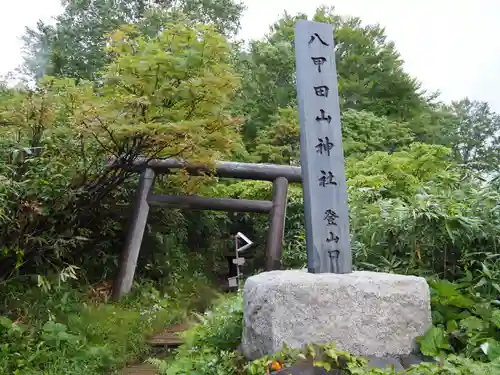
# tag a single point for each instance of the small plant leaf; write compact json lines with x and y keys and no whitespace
{"x":433,"y":341}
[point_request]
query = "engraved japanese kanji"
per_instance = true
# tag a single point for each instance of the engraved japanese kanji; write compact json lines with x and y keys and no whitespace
{"x":330,"y":217}
{"x":327,"y":178}
{"x":321,"y":154}
{"x":316,"y":36}
{"x":323,"y":116}
{"x":321,"y":90}
{"x":319,"y":61}
{"x":332,"y":237}
{"x":324,"y":146}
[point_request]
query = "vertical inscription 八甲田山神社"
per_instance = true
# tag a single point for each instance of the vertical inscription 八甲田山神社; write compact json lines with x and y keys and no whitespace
{"x":322,"y":159}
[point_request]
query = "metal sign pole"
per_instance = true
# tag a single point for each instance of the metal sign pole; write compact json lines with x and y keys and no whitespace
{"x":239,"y":261}
{"x":238,"y":274}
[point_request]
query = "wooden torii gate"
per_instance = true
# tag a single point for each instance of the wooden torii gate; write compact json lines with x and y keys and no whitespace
{"x":280,"y":175}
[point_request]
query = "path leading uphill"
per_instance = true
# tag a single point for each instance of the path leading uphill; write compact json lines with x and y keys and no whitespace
{"x":162,"y":342}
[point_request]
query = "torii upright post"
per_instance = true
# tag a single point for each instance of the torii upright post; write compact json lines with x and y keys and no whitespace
{"x":123,"y":282}
{"x":322,"y":158}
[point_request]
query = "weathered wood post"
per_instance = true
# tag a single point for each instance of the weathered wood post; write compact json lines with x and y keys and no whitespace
{"x":322,"y":158}
{"x":125,"y":278}
{"x":275,"y":233}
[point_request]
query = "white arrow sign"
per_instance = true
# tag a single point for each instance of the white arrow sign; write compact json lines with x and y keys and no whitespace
{"x":244,"y":238}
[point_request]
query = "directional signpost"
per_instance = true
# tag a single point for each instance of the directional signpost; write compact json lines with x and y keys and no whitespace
{"x":234,"y":282}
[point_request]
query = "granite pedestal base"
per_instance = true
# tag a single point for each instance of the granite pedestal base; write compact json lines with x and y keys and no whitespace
{"x":364,"y":313}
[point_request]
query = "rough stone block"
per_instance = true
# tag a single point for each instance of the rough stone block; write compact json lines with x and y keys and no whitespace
{"x":365,"y":313}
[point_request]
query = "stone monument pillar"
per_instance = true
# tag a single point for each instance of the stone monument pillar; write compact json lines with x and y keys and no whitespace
{"x":365,"y":313}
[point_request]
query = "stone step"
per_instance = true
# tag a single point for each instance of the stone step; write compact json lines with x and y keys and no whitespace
{"x":164,"y":340}
{"x":142,"y":369}
{"x":169,"y":338}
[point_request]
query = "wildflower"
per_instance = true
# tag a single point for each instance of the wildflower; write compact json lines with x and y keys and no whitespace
{"x":275,"y":366}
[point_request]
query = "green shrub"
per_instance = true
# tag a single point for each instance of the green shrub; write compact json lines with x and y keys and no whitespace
{"x":62,"y":332}
{"x":465,"y":323}
{"x":220,"y":327}
{"x":65,"y":206}
{"x":203,"y":361}
{"x":328,"y":357}
{"x":210,"y":345}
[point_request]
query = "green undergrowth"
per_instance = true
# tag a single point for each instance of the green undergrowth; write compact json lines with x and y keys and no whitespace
{"x":209,"y":346}
{"x":329,"y":357}
{"x":63,"y":331}
{"x":465,"y":321}
{"x":463,"y":339}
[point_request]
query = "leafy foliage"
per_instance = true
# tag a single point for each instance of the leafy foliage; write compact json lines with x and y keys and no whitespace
{"x":329,"y":358}
{"x":67,"y":333}
{"x":74,"y":47}
{"x":210,"y":345}
{"x":466,"y":322}
{"x":160,"y":97}
{"x":476,"y":142}
{"x":370,"y":72}
{"x":162,"y":79}
{"x":219,"y":327}
{"x":362,"y":132}
{"x":430,"y":219}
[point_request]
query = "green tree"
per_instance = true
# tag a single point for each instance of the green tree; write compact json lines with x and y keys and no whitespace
{"x":434,"y":124}
{"x":37,"y":48}
{"x":160,"y":97}
{"x":476,"y":140}
{"x":362,"y":132}
{"x":371,"y":76}
{"x":74,"y":47}
{"x":280,"y":142}
{"x":401,"y":174}
{"x":414,"y":212}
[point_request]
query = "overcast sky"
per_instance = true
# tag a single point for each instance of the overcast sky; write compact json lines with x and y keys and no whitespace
{"x":450,"y":46}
